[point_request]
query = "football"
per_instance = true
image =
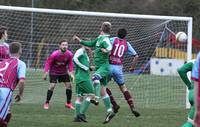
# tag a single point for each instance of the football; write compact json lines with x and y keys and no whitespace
{"x":181,"y":37}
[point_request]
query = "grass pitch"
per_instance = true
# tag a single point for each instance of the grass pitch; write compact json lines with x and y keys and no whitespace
{"x":160,"y":100}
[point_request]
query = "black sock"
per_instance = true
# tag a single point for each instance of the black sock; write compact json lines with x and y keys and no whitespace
{"x":49,"y":95}
{"x":69,"y":95}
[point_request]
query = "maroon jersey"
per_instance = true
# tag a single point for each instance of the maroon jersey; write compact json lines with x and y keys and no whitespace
{"x":59,"y":63}
{"x":4,"y":51}
{"x":119,"y":47}
{"x":11,"y":71}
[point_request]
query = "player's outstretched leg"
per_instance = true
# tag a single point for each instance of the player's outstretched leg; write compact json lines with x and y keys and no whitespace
{"x":129,"y":100}
{"x":110,"y":113}
{"x":116,"y":107}
{"x":97,"y":87}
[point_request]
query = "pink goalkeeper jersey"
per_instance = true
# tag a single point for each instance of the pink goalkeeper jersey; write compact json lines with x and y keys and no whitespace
{"x":4,"y":51}
{"x":11,"y":71}
{"x":59,"y":63}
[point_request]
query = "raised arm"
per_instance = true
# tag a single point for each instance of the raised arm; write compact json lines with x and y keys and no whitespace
{"x":132,"y":52}
{"x":90,"y":43}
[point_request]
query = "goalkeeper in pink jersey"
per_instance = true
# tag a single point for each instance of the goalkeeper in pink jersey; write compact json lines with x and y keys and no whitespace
{"x":59,"y":65}
{"x":120,"y":47}
{"x":12,"y":73}
{"x":4,"y":47}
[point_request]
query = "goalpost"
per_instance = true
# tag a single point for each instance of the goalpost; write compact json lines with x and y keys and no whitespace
{"x":154,"y":82}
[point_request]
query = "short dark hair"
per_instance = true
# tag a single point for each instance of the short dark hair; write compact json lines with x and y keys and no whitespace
{"x":121,"y":33}
{"x":63,"y":40}
{"x":106,"y":27}
{"x":2,"y":31}
{"x":15,"y":47}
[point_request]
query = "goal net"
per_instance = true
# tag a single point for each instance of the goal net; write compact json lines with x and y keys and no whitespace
{"x":154,"y":83}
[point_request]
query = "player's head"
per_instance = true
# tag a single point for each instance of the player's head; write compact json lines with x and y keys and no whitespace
{"x":121,"y":33}
{"x":3,"y":33}
{"x":63,"y":45}
{"x":15,"y":48}
{"x":106,"y":27}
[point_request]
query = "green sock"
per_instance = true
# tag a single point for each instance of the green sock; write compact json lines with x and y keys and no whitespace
{"x":78,"y":108}
{"x":191,"y":112}
{"x":85,"y":106}
{"x":97,"y":88}
{"x":106,"y":101}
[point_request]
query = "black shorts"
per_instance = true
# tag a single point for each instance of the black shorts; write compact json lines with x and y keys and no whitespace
{"x":59,"y":78}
